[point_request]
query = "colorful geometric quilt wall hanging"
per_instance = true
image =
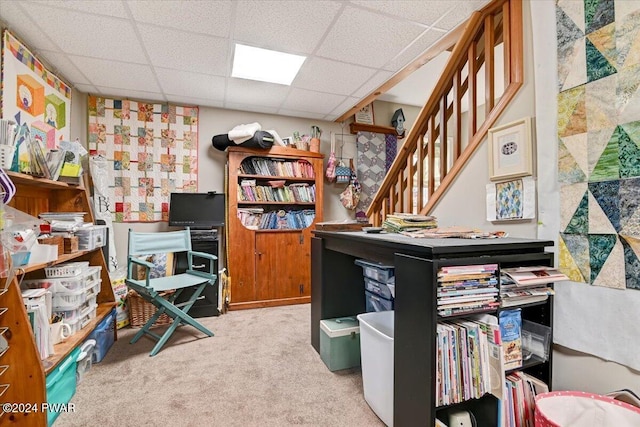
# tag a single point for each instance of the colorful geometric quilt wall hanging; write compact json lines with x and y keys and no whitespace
{"x":153,"y":151}
{"x":599,"y":141}
{"x":33,"y":96}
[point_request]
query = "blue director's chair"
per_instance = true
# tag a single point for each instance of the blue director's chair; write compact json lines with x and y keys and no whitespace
{"x":152,"y":289}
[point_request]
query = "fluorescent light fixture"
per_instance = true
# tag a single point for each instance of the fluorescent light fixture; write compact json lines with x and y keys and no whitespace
{"x":265,"y":65}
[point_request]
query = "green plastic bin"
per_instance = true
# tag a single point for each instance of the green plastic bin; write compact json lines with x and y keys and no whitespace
{"x":340,"y":343}
{"x":61,"y":383}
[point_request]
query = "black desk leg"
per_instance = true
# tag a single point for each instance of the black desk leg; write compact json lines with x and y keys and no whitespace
{"x":414,"y":342}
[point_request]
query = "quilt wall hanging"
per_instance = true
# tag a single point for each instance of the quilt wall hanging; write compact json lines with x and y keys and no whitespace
{"x":376,"y":153}
{"x":599,"y":141}
{"x":33,"y":96}
{"x":152,"y":149}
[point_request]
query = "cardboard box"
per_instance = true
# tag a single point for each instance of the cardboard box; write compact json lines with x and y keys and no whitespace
{"x":70,"y":244}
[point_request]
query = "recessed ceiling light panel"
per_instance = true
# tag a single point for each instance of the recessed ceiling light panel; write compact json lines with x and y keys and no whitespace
{"x":265,"y":65}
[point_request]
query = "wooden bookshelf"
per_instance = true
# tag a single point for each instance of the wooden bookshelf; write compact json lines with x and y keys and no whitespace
{"x":270,"y":267}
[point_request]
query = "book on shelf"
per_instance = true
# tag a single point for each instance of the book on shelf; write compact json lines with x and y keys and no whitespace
{"x":524,"y":296}
{"x":538,"y":275}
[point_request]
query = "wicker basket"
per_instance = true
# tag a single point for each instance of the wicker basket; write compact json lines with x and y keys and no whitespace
{"x":140,"y":311}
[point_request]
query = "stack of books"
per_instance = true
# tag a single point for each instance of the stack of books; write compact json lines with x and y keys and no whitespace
{"x":526,"y":285}
{"x":399,"y":222}
{"x":467,"y":289}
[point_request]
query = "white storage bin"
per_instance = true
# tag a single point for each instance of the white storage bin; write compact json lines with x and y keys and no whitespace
{"x":71,"y":300}
{"x":77,"y":313}
{"x":91,"y":237}
{"x":80,"y":282}
{"x":376,"y":351}
{"x":88,"y":314}
{"x":68,"y":269}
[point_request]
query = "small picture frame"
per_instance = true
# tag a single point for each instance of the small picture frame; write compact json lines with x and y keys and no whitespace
{"x":287,"y":141}
{"x":510,"y":150}
{"x":365,"y":115}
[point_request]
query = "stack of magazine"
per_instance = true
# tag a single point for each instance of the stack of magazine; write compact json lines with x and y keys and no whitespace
{"x":526,"y":285}
{"x":467,"y":289}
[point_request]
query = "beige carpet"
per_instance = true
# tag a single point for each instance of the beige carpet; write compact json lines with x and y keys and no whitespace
{"x":258,"y":370}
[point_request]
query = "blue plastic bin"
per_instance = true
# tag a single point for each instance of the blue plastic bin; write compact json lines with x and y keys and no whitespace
{"x":104,"y":336}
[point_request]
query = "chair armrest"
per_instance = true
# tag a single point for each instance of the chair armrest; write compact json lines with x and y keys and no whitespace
{"x":141,"y":262}
{"x":212,"y":258}
{"x":146,"y":264}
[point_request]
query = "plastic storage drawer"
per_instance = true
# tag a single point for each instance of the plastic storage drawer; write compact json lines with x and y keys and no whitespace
{"x":61,"y":383}
{"x":375,"y":271}
{"x":374,"y":302}
{"x":104,"y":336}
{"x":381,"y":289}
{"x":92,"y":237}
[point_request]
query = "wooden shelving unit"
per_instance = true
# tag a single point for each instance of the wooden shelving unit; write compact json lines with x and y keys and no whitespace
{"x":26,"y":372}
{"x":270,"y":267}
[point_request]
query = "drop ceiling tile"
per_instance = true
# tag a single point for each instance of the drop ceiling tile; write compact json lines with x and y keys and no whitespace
{"x":188,"y":84}
{"x":312,"y":102}
{"x":135,"y":95}
{"x":108,"y":8}
{"x":324,"y":75}
{"x":251,"y":107}
{"x":64,"y":68}
{"x":373,"y":83}
{"x":200,"y":102}
{"x":301,"y":114}
{"x":367,"y":38}
{"x":415,"y":11}
{"x":122,"y":75}
{"x":19,"y":24}
{"x":285,"y":24}
{"x":185,"y":51}
{"x":206,"y":17}
{"x":251,"y":92}
{"x":344,"y":106}
{"x":415,"y":50}
{"x":89,"y":35}
{"x":87,"y":89}
{"x":460,"y":11}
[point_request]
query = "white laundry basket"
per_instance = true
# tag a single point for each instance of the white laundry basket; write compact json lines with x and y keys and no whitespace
{"x":376,"y":351}
{"x":580,"y":409}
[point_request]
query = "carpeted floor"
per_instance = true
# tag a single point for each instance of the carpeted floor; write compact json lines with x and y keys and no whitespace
{"x":258,"y":370}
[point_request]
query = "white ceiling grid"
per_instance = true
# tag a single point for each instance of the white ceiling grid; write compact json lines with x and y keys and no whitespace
{"x":182,"y":51}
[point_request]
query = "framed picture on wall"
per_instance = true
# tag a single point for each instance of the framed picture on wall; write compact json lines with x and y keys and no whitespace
{"x":510,"y":150}
{"x":365,"y":115}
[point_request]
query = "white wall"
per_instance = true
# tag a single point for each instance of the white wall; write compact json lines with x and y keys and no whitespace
{"x":464,"y":204}
{"x":211,"y":162}
{"x":593,"y":319}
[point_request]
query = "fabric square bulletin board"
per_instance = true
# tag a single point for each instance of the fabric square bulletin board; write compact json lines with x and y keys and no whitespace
{"x":153,"y":151}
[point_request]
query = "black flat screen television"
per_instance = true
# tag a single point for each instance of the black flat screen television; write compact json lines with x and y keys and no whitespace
{"x":197,"y":210}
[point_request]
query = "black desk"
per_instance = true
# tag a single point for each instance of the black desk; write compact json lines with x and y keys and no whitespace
{"x":337,"y":289}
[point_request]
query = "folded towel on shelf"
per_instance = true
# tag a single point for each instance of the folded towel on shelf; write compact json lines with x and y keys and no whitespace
{"x":244,"y":132}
